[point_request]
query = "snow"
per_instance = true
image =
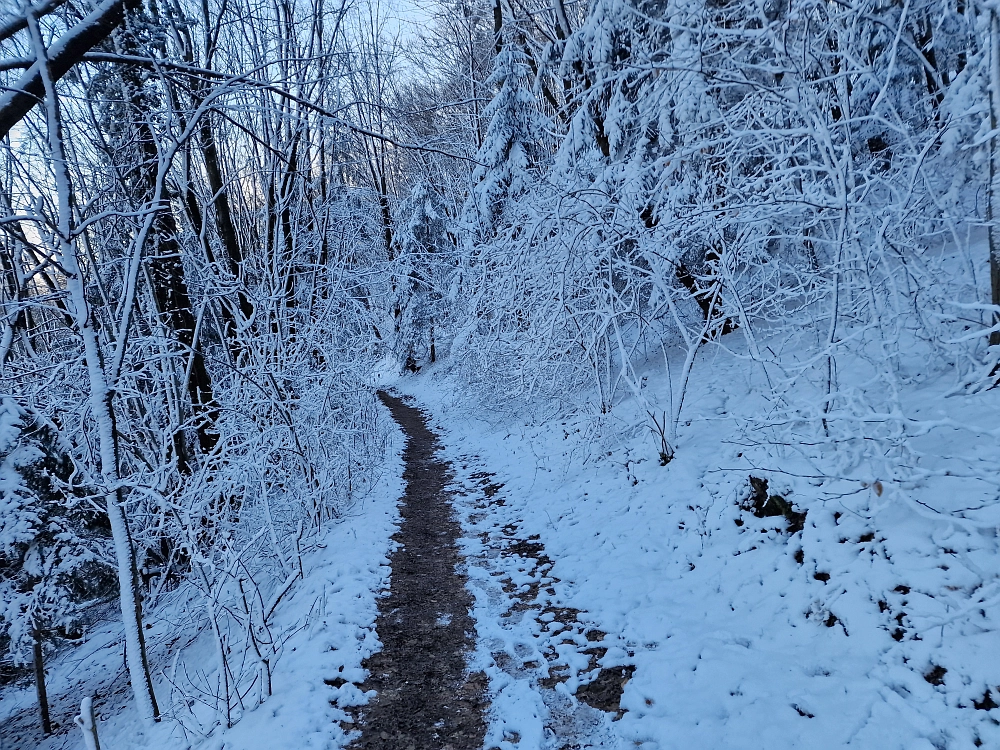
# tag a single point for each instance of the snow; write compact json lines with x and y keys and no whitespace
{"x":743,"y":635}
{"x":809,"y":177}
{"x":872,"y":627}
{"x":329,"y":618}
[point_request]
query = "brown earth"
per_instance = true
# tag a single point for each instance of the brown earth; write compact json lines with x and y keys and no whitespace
{"x":426,"y":699}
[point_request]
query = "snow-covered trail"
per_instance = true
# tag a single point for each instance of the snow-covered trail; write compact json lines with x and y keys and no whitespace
{"x":556,"y":677}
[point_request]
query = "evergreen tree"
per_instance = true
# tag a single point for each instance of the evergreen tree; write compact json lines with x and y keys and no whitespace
{"x":512,"y":149}
{"x":53,"y":543}
{"x":426,"y":266}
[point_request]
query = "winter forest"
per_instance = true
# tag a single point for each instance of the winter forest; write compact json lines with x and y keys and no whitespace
{"x":689,"y":308}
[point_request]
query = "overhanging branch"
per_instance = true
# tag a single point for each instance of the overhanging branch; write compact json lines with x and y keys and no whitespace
{"x":70,"y":49}
{"x":20,"y":23}
{"x":192,"y":70}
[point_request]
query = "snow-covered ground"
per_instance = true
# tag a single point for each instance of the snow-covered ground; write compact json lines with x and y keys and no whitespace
{"x":328,"y":620}
{"x":875,"y":626}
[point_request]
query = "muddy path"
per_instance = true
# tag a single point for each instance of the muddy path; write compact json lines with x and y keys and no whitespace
{"x":426,"y":699}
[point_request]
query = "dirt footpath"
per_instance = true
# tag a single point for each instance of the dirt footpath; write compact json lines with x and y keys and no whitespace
{"x":425,"y":698}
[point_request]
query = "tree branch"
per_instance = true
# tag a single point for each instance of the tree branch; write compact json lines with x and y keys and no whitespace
{"x":20,"y":23}
{"x":63,"y":55}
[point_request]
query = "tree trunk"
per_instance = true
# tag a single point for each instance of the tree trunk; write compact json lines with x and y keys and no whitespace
{"x":498,"y":27}
{"x":43,"y":698}
{"x":992,"y":212}
{"x":223,"y":212}
{"x":166,"y":268}
{"x":100,"y":400}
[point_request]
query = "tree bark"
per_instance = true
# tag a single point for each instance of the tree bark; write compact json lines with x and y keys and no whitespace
{"x":497,"y":26}
{"x":43,"y":698}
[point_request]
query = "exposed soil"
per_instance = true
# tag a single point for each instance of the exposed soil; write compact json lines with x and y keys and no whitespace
{"x":605,"y":692}
{"x":425,"y":699}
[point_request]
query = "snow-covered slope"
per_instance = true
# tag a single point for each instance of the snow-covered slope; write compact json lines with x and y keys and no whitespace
{"x":874,"y":626}
{"x":326,"y":624}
